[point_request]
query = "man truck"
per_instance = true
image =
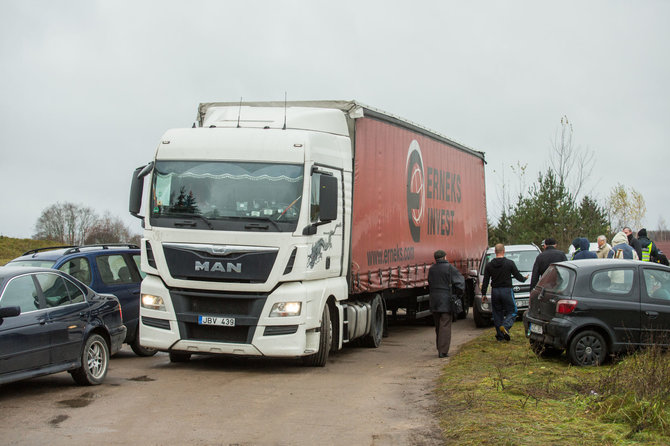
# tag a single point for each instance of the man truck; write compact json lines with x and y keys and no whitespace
{"x":288,"y":229}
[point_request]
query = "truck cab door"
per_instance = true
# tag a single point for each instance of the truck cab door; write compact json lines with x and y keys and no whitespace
{"x":325,"y":229}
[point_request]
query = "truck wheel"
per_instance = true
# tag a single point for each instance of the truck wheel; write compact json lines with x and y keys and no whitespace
{"x":480,"y":321}
{"x":587,"y":348}
{"x":139,"y":350}
{"x":179,"y":357}
{"x":319,"y":358}
{"x":374,"y":338}
{"x":94,"y":362}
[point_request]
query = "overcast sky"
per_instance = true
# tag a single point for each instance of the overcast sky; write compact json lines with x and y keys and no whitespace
{"x":88,"y":87}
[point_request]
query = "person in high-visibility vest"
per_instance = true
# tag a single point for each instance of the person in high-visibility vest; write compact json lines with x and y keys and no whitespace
{"x":649,"y":249}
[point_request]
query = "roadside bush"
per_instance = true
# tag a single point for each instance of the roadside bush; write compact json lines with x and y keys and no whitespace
{"x":636,"y":391}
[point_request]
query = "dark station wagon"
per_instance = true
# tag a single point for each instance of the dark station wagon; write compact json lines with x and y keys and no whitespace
{"x":592,"y":308}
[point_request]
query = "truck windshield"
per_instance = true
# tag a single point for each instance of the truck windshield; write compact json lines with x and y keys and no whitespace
{"x":227,"y":195}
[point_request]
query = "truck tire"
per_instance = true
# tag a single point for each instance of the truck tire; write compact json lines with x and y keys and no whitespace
{"x":377,"y":313}
{"x":179,"y":357}
{"x":94,"y":362}
{"x":480,"y":321}
{"x":319,"y":358}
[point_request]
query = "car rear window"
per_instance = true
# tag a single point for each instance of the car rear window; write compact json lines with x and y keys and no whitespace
{"x":33,"y":263}
{"x":557,"y":279}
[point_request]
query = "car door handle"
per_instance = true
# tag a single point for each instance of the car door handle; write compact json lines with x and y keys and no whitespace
{"x":42,"y":320}
{"x":651,"y":314}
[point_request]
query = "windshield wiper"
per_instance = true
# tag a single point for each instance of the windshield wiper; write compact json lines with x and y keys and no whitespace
{"x":189,"y":223}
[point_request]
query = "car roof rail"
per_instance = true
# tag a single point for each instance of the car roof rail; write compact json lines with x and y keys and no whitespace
{"x":46,"y":248}
{"x":74,"y":249}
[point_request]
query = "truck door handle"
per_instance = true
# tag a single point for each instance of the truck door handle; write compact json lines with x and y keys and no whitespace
{"x":651,"y":314}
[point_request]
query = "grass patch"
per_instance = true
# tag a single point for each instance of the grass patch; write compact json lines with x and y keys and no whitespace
{"x":499,"y":393}
{"x":11,"y":248}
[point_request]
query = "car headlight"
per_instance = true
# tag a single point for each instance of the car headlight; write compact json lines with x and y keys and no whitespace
{"x":152,"y":302}
{"x":284,"y":309}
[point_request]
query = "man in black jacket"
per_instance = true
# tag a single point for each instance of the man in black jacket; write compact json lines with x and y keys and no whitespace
{"x":443,"y":277}
{"x":500,"y":272}
{"x":544,"y":259}
{"x":632,"y":241}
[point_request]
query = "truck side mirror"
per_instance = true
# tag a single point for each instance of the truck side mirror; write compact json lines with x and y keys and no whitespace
{"x":328,"y":200}
{"x":136,"y":188}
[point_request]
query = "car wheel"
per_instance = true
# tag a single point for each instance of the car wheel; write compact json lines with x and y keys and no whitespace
{"x":545,"y":351}
{"x":587,"y":348}
{"x":179,"y":357}
{"x":94,"y":362}
{"x":142,"y":351}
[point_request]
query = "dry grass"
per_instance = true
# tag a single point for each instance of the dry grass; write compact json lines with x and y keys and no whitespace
{"x":11,"y":248}
{"x":497,"y":393}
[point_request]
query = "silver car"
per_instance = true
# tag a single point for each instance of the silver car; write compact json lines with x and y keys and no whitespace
{"x":524,"y":257}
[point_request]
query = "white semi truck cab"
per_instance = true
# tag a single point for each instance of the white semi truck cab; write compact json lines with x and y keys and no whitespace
{"x":246,"y":231}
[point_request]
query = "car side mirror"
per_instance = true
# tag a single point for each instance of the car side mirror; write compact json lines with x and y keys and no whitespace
{"x":9,"y":311}
{"x":328,"y":193}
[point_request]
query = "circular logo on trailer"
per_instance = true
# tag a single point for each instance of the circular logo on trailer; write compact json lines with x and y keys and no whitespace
{"x":416,"y":194}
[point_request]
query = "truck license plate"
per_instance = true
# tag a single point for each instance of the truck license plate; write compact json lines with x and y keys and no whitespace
{"x":534,"y":328}
{"x":522,"y":302}
{"x":216,"y":320}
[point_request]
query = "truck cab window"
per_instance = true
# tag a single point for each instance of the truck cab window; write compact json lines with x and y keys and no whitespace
{"x":315,"y":196}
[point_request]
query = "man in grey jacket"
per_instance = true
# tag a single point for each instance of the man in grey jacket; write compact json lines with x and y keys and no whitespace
{"x":443,"y":279}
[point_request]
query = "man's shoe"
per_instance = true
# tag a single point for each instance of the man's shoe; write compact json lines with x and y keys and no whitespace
{"x":443,"y":355}
{"x":504,"y":332}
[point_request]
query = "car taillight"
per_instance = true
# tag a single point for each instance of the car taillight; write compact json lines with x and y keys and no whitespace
{"x":120,"y":312}
{"x":565,"y":306}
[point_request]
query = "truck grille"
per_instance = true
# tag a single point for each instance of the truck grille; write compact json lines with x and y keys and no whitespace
{"x":244,"y":307}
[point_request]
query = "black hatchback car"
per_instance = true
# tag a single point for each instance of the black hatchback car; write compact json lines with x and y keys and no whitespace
{"x":108,"y":269}
{"x":592,"y":308}
{"x":50,"y":322}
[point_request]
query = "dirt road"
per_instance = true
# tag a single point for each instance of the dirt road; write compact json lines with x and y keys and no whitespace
{"x":363,"y":396}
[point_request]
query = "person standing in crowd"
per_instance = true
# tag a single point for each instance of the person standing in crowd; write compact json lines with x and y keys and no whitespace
{"x":621,"y":249}
{"x":443,"y":278}
{"x":632,"y":241}
{"x":582,"y":245}
{"x":648,"y":248}
{"x":500,"y":272}
{"x":604,"y":248}
{"x":544,"y":259}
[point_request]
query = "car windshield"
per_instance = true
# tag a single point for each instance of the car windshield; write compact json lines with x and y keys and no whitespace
{"x":34,"y":263}
{"x":524,"y":260}
{"x":209,"y":191}
{"x":557,"y":279}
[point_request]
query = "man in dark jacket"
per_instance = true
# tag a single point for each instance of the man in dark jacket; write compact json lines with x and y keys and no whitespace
{"x":648,"y":248}
{"x":632,"y":241}
{"x":500,"y":272}
{"x":543,"y":260}
{"x":582,"y":246}
{"x":443,"y":278}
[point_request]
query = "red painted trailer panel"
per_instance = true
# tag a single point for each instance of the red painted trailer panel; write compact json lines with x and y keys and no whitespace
{"x":413,"y":194}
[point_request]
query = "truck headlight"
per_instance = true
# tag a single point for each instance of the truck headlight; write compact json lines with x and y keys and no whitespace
{"x":284,"y":309}
{"x":152,"y":302}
